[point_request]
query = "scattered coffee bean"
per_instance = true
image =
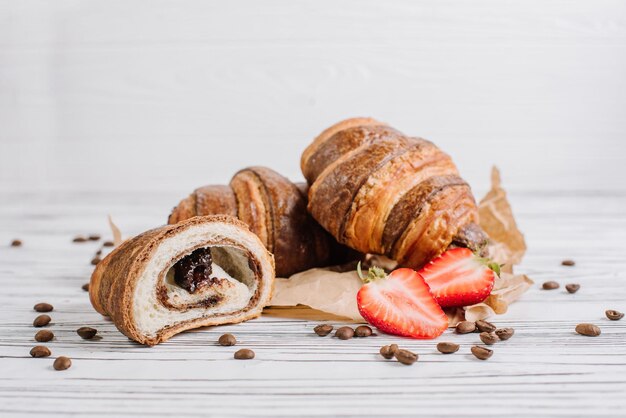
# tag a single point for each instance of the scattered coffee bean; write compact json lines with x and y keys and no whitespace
{"x":481,"y":353}
{"x":568,"y":263}
{"x":344,"y":333}
{"x":16,"y":243}
{"x":244,"y":354}
{"x":79,"y":238}
{"x":86,"y":333}
{"x":572,"y":287}
{"x":488,"y":338}
{"x":465,"y":327}
{"x":95,"y":260}
{"x":323,"y":329}
{"x":484,"y":326}
{"x":85,"y":287}
{"x":388,"y":351}
{"x":108,"y":244}
{"x":44,"y":336}
{"x":43,"y":307}
{"x":447,"y":348}
{"x":405,"y":356}
{"x":62,"y":363}
{"x":227,"y":340}
{"x":362,"y":331}
{"x":551,"y":285}
{"x":42,"y":321}
{"x":93,"y":237}
{"x":588,"y":330}
{"x":99,"y":252}
{"x":505,"y":333}
{"x":614,"y":315}
{"x":40,"y":351}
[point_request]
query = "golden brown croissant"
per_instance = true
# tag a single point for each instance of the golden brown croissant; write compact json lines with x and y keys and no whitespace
{"x":275,"y":209}
{"x":378,"y":191}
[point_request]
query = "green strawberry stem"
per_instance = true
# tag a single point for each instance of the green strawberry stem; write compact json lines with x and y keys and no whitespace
{"x":374,"y":273}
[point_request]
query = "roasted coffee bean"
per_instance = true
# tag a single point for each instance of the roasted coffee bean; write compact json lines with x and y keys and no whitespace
{"x":481,"y":353}
{"x":40,"y":351}
{"x":572,"y":287}
{"x":488,"y":338}
{"x":344,"y":333}
{"x":44,"y":336}
{"x":323,"y":329}
{"x":62,"y":363}
{"x":227,"y":340}
{"x":465,"y":327}
{"x":484,"y":326}
{"x":108,"y":244}
{"x":79,"y":238}
{"x":505,"y":333}
{"x":551,"y":285}
{"x":447,"y":348}
{"x":16,"y":243}
{"x":362,"y":331}
{"x":86,"y":333}
{"x":85,"y":287}
{"x":42,"y":321}
{"x":95,"y":261}
{"x":43,"y":307}
{"x":99,"y":252}
{"x":388,"y":351}
{"x":588,"y":330}
{"x":568,"y":263}
{"x":244,"y":354}
{"x":94,"y":237}
{"x":614,"y":315}
{"x":405,"y":356}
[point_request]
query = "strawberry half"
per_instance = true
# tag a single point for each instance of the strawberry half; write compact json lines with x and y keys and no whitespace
{"x":400,"y":303}
{"x":458,"y":277}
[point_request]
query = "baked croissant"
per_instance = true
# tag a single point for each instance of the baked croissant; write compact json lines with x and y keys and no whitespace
{"x":208,"y":270}
{"x":379,"y":191}
{"x":275,"y":209}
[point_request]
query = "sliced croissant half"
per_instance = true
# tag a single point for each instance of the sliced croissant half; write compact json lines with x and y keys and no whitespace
{"x":207,"y":270}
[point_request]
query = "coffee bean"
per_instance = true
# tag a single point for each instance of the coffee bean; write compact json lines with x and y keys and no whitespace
{"x":323,"y":329}
{"x":614,"y":315}
{"x":79,"y":238}
{"x":44,"y":336}
{"x":447,"y":348}
{"x":227,"y":340}
{"x":99,"y":252}
{"x":568,"y":263}
{"x":94,"y":237}
{"x":481,"y":353}
{"x":388,"y":351}
{"x":244,"y":354}
{"x":405,"y":356}
{"x":86,"y":333}
{"x":344,"y":333}
{"x":505,"y":333}
{"x":43,"y":307}
{"x":108,"y":244}
{"x":62,"y":363}
{"x":588,"y":330}
{"x":572,"y":287}
{"x":488,"y":338}
{"x":465,"y":327}
{"x":40,"y":351}
{"x":16,"y":243}
{"x":484,"y":326}
{"x":551,"y":285}
{"x":42,"y":321}
{"x":95,"y":260}
{"x":85,"y":287}
{"x":362,"y":331}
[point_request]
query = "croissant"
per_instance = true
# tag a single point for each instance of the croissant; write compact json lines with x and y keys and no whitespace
{"x":379,"y":191}
{"x":275,"y":209}
{"x":208,"y":270}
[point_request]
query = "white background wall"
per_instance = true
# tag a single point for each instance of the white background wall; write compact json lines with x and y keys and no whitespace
{"x":169,"y":95}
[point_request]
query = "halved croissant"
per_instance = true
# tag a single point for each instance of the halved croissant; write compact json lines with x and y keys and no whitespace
{"x":379,"y":191}
{"x":275,"y":209}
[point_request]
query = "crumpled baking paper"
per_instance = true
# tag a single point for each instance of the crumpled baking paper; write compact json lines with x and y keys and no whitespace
{"x":335,"y":292}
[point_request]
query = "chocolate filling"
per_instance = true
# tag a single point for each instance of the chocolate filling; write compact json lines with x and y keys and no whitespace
{"x":193,"y":271}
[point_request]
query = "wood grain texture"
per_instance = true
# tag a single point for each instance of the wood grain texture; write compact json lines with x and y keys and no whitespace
{"x":544,"y":370}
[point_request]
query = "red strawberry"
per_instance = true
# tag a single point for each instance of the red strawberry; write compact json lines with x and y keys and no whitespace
{"x":458,"y":277}
{"x":400,"y":303}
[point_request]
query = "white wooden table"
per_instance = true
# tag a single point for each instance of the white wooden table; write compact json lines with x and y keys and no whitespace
{"x":544,"y":370}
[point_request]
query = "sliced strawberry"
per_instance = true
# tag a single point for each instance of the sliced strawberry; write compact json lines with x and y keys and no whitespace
{"x":458,"y":277}
{"x":400,"y":304}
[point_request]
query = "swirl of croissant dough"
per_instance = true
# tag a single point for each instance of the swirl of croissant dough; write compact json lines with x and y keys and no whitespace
{"x":379,"y":191}
{"x":135,"y":284}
